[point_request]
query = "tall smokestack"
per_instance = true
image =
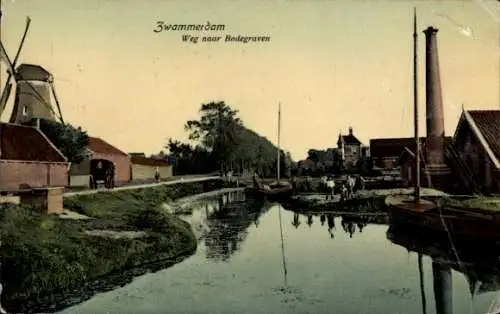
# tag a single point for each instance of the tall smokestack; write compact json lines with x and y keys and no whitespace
{"x":434,"y":100}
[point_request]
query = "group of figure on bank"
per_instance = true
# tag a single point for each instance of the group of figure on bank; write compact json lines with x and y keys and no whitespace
{"x":346,"y":189}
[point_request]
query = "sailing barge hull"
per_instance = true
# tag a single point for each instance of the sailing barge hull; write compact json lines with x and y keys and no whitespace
{"x":456,"y":223}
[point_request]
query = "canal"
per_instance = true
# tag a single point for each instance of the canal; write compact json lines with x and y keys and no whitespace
{"x":316,"y":264}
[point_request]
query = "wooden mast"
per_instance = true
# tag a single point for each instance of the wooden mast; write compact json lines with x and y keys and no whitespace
{"x":415,"y":105}
{"x":279,"y":150}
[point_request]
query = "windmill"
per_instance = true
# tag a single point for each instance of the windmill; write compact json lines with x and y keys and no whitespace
{"x":34,"y":88}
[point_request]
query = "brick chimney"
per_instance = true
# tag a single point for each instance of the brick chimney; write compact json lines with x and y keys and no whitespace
{"x":350,"y":130}
{"x":433,"y":100}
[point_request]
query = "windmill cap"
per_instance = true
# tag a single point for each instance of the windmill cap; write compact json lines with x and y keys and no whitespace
{"x":33,"y":72}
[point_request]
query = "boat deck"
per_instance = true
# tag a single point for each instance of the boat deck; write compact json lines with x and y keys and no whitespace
{"x":408,"y":203}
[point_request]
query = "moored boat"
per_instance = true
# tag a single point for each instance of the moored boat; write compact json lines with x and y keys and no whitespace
{"x":280,"y":189}
{"x":456,"y":222}
{"x":275,"y":190}
{"x":418,"y":212}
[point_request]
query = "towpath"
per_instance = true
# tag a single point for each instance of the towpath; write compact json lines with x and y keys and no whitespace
{"x":176,"y":180}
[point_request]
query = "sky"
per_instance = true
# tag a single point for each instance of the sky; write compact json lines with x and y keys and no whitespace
{"x":331,"y":64}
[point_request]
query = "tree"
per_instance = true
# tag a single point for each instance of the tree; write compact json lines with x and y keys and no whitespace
{"x":223,"y":143}
{"x":216,"y":131}
{"x":69,"y":140}
{"x":187,"y":159}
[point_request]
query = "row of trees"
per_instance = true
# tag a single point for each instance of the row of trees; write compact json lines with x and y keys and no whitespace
{"x":221,"y":142}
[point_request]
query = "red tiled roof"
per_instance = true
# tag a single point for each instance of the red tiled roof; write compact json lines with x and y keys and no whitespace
{"x":98,"y":145}
{"x":138,"y":160}
{"x":488,"y":122}
{"x":391,"y":147}
{"x":19,"y":142}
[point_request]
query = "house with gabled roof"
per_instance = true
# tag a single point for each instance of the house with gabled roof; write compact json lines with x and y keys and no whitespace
{"x":350,"y":148}
{"x":101,"y":152}
{"x":28,"y":159}
{"x":477,"y":143}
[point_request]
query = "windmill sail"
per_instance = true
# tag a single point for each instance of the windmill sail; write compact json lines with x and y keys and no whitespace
{"x":5,"y":59}
{"x":8,"y":85}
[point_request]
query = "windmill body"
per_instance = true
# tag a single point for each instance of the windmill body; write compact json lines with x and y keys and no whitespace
{"x":33,"y":99}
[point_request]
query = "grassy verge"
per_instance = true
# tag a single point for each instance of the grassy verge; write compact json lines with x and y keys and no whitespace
{"x":481,"y":203}
{"x":44,"y":254}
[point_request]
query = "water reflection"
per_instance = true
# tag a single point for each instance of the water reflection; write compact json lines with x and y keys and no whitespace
{"x":296,"y":220}
{"x":251,"y":259}
{"x":479,"y":265}
{"x":224,"y":223}
{"x":331,"y":224}
{"x":309,"y":220}
{"x":350,"y":223}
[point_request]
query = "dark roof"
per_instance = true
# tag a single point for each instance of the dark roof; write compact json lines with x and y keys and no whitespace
{"x":32,"y":72}
{"x":137,"y":154}
{"x":137,"y":160}
{"x":411,"y":149}
{"x":25,"y":143}
{"x":349,"y":140}
{"x":488,"y":123}
{"x":391,"y":147}
{"x":98,"y":145}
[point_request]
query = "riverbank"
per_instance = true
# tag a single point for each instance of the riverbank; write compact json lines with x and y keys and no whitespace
{"x":363,"y":201}
{"x":43,"y":256}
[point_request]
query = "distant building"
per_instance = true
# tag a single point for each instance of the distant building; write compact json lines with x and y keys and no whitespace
{"x":350,"y":148}
{"x":477,"y":143}
{"x":144,"y":168}
{"x":98,"y":149}
{"x":29,"y":159}
{"x":137,"y":154}
{"x":385,"y":152}
{"x":407,"y":163}
{"x":365,"y":152}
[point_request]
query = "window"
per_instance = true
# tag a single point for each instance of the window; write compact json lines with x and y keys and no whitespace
{"x":25,"y":110}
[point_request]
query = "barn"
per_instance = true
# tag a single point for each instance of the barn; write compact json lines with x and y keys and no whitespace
{"x":477,"y":143}
{"x":100,"y":152}
{"x":144,"y":168}
{"x":29,"y":159}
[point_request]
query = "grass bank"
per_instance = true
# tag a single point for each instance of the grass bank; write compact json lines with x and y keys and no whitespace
{"x":484,"y":203}
{"x":44,"y":255}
